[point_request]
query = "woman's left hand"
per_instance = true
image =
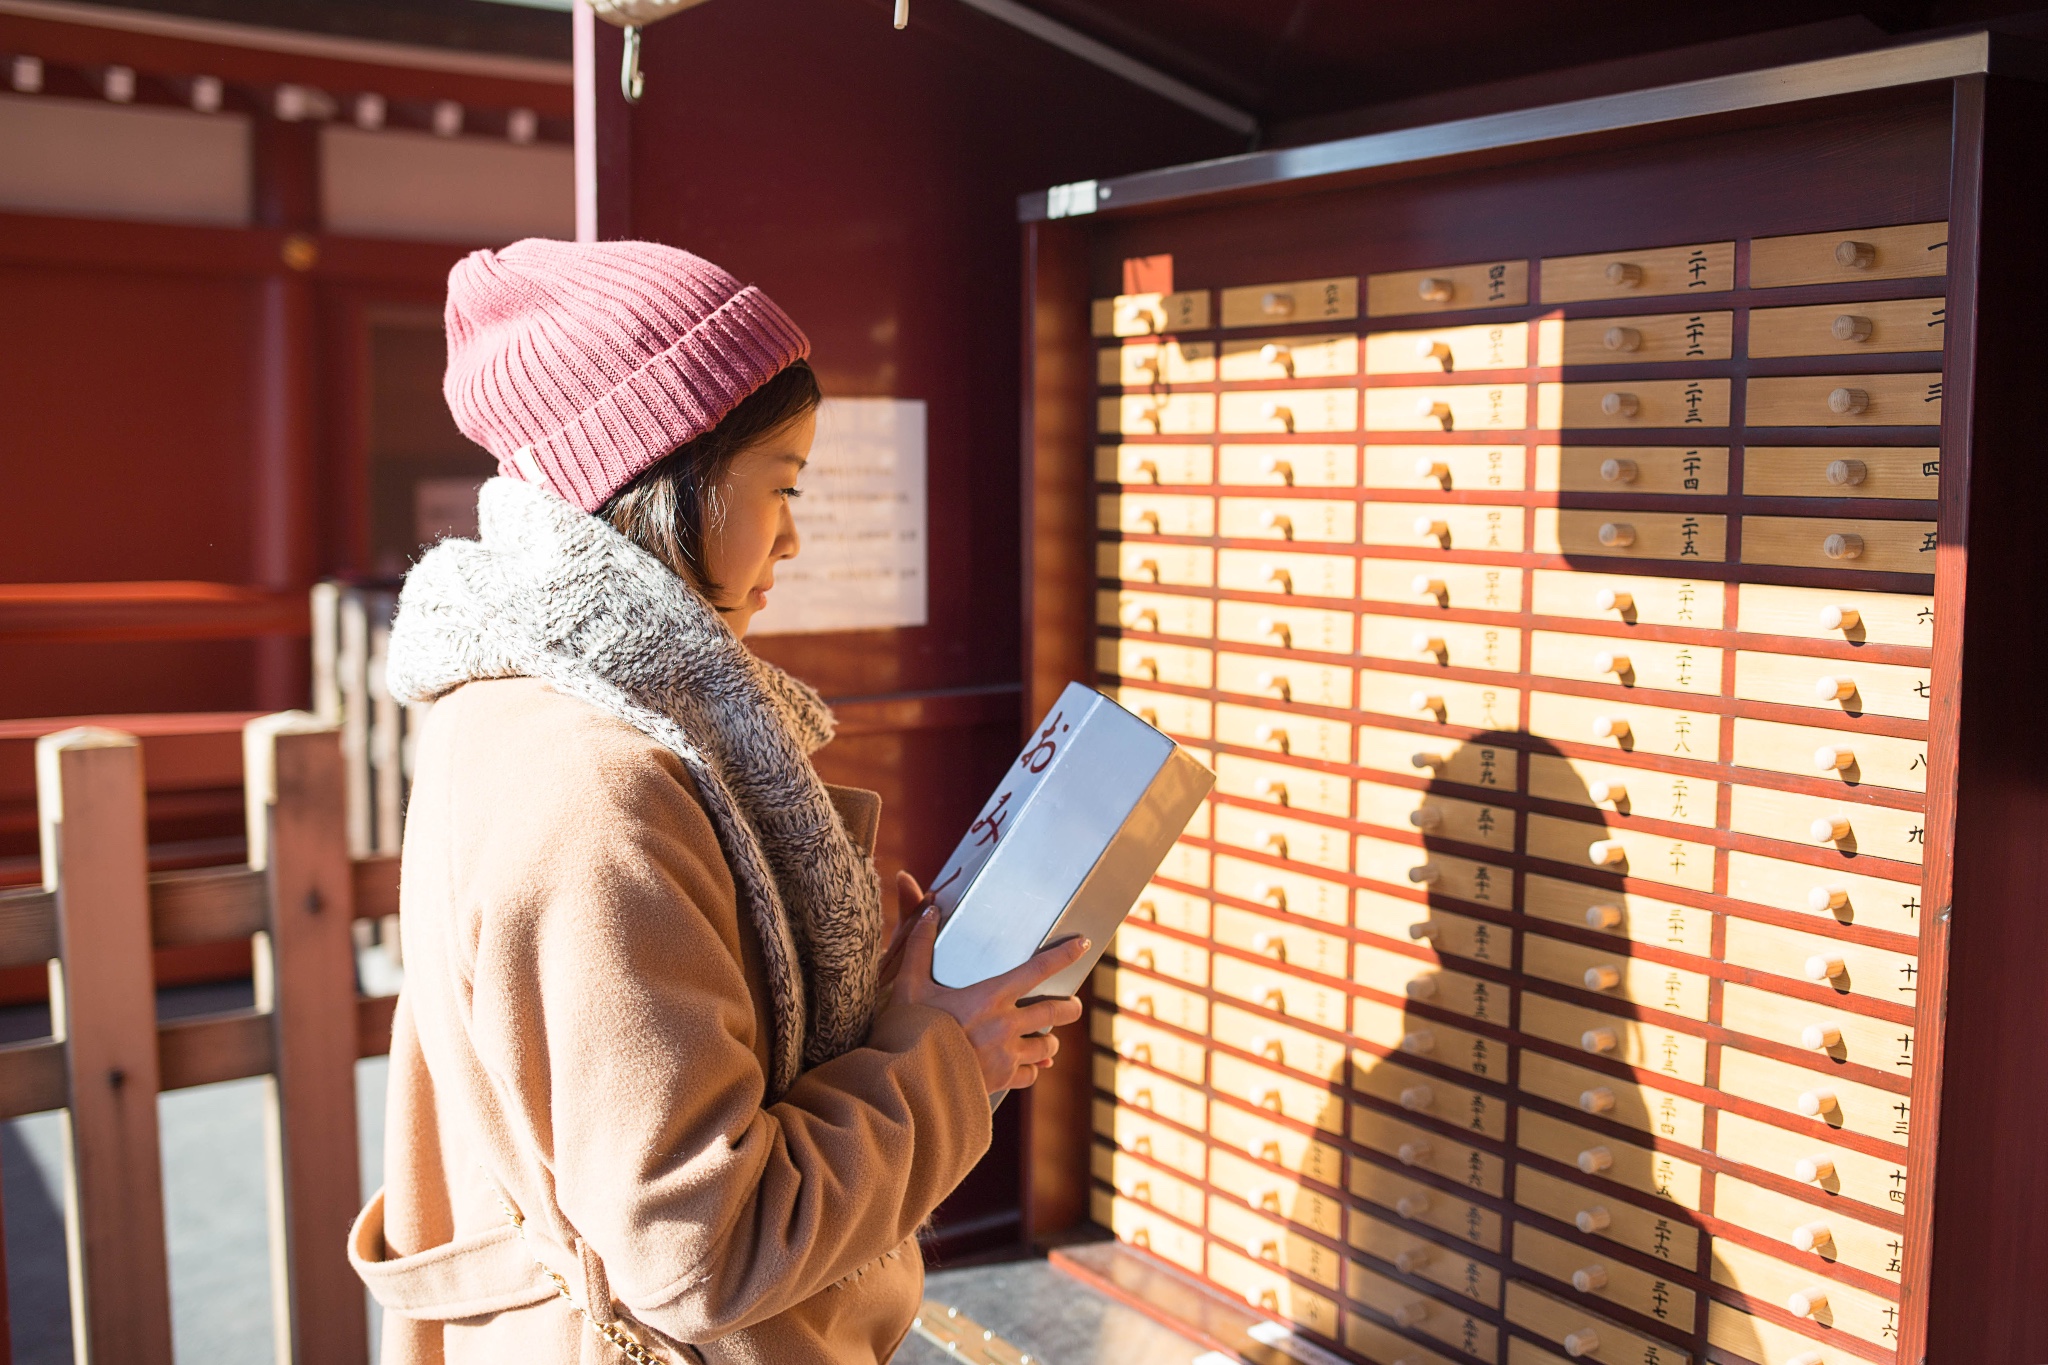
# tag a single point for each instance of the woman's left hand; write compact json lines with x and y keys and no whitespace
{"x":897,"y":922}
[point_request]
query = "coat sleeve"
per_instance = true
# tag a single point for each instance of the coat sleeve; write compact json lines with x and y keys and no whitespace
{"x":611,"y":1009}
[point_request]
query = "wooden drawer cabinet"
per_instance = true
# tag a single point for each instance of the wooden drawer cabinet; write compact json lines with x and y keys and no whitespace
{"x":1632,"y":1042}
{"x":1846,"y":543}
{"x":1911,"y":473}
{"x":1281,"y":731}
{"x":1846,"y":400}
{"x":1603,"y":1277}
{"x":1303,"y":519}
{"x":1625,"y":470}
{"x":1829,"y":895}
{"x":1145,"y":1227}
{"x":1259,"y":1188}
{"x":1422,"y":1149}
{"x":1830,"y":1305}
{"x":1675,"y":403}
{"x":1640,"y":273}
{"x":1446,"y":468}
{"x":1270,"y":1291}
{"x":1324,"y":300}
{"x":1660,"y":1174}
{"x":1853,"y":328}
{"x":1470,"y":1108}
{"x":1287,"y":785}
{"x":1629,"y":599}
{"x":1286,"y":572}
{"x":1479,"y":765}
{"x":1267,"y":1240}
{"x":1839,"y":1034}
{"x":1634,"y":1104}
{"x":1318,"y":356}
{"x":1396,"y":1245}
{"x":1842,"y":968}
{"x":1143,"y":1183}
{"x":1804,"y":1227}
{"x":1443,"y":527}
{"x":1438,"y":817}
{"x":1305,"y":628}
{"x":1290,"y":466}
{"x":1441,"y":585}
{"x":1835,"y":686}
{"x":1161,"y":1143}
{"x":1276,"y":1144}
{"x":1834,"y":755}
{"x":1915,"y":251}
{"x":1149,"y":562}
{"x":1155,"y":464}
{"x":1654,"y":665}
{"x":1283,"y":680}
{"x":1294,"y":1049}
{"x":1420,"y":1311}
{"x":1439,"y":350}
{"x":1622,"y":914}
{"x":1294,"y":893}
{"x":1624,"y":788}
{"x":1701,"y":538}
{"x":1837,"y":1176}
{"x":1423,"y":979}
{"x":1148,"y":1090}
{"x":1445,"y":288}
{"x":1836,"y":615}
{"x":1283,"y":411}
{"x":1135,"y":1040}
{"x":1277,"y":1093}
{"x":1154,"y":999}
{"x":1616,"y":975}
{"x":1661,"y":1233}
{"x":1415,"y":1202}
{"x":1660,"y":337}
{"x":1816,"y":1102}
{"x":1144,"y":364}
{"x":1447,"y":701}
{"x":1445,"y":644}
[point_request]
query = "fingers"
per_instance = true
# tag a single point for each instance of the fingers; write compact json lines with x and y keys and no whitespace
{"x":914,"y":966}
{"x":1047,"y":1014}
{"x":909,"y":894}
{"x":1050,"y":962}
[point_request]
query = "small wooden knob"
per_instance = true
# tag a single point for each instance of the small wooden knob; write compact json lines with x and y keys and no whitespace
{"x":1434,"y":289}
{"x":1821,"y":1037}
{"x":1420,"y":988}
{"x":1610,"y":727}
{"x":1607,"y":599}
{"x":1586,"y":1279}
{"x":1595,"y":1219}
{"x":1847,"y":402}
{"x":1825,"y":898}
{"x":1413,"y":1313}
{"x":1425,"y":701}
{"x":1825,"y":967}
{"x":1851,"y":327}
{"x":1273,"y":735}
{"x":1583,"y":1342}
{"x":1271,"y":944}
{"x":1272,"y":893}
{"x":1622,"y":339}
{"x":1604,"y":791}
{"x":1411,"y":1260}
{"x":1595,"y":1160}
{"x":1417,"y":1098}
{"x":1149,"y":520}
{"x":1272,"y":1099}
{"x":1608,"y":661}
{"x":1602,"y":976}
{"x":1624,"y":274}
{"x":1854,"y":255}
{"x":1412,"y":1205}
{"x":1840,"y":618}
{"x":1280,"y":469}
{"x":1145,"y":910}
{"x":1422,"y":585}
{"x":1619,"y":470}
{"x":1427,"y":470}
{"x":1817,"y":1101}
{"x":1429,"y":348}
{"x":1150,"y":469}
{"x":1155,"y":413}
{"x":1278,"y":683}
{"x":1150,"y":715}
{"x":1427,"y":760}
{"x":1140,"y":618}
{"x":1813,"y":1170}
{"x":1834,"y":757}
{"x":1843,"y":545}
{"x":1277,"y":305}
{"x":1273,"y":789}
{"x":1149,"y":668}
{"x":1274,"y":842}
{"x":1264,"y":1197}
{"x":1603,"y":917}
{"x":1834,"y":687}
{"x":1279,"y":578}
{"x":1606,"y":852}
{"x":1274,"y":1049}
{"x":1599,"y":1040}
{"x":1829,"y":829}
{"x":1429,"y":528}
{"x":1425,"y":643}
{"x":1416,"y":1152}
{"x":1276,"y":353}
{"x":1619,"y":404}
{"x":1812,"y":1236}
{"x":1807,"y":1303}
{"x":1423,"y":931}
{"x":1847,"y":473}
{"x":1434,"y":410}
{"x":1149,"y":568}
{"x":1279,"y":521}
{"x":1617,"y":535}
{"x":1425,"y":874}
{"x":1278,"y":412}
{"x":1420,"y":1042}
{"x":1279,"y":630}
{"x":1425,"y":817}
{"x":1598,"y":1100}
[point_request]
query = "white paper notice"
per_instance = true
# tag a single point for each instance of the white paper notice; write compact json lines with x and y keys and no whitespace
{"x":862,"y":522}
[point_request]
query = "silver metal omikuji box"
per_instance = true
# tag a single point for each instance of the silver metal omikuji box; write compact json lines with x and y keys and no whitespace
{"x":1067,"y":842}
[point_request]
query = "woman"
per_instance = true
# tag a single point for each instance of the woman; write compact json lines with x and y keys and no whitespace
{"x":657,"y":1089}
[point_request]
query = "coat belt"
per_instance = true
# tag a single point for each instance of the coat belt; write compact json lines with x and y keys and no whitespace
{"x":469,"y":1277}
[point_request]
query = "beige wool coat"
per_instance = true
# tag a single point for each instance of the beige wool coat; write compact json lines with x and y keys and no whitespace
{"x":583,"y":1038}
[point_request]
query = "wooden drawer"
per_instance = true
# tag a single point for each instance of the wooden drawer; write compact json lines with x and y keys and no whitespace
{"x":1158,"y":613}
{"x":1915,"y":251}
{"x":1269,"y":1291}
{"x":1840,"y":897}
{"x":1792,"y":1090}
{"x":1644,"y":1046}
{"x":1422,"y":1150}
{"x":1618,"y":1282}
{"x":1765,"y":1342}
{"x":1660,"y":1174}
{"x":1276,"y":1144}
{"x":1299,"y":947}
{"x":1636,"y":980}
{"x":1324,"y":356}
{"x":1818,"y":821}
{"x":1277,"y":1195}
{"x":1480,"y":706}
{"x":1627,"y":790}
{"x":1418,"y":1312}
{"x":1441,"y":468}
{"x":1407,"y":921}
{"x":1186,"y":863}
{"x":1849,"y":328}
{"x":1840,"y":543}
{"x":1595,"y":1338}
{"x":1434,"y":350}
{"x":1325,"y":300}
{"x":1283,"y":784}
{"x":1144,"y":364}
{"x":1642,"y":1107}
{"x":1279,"y":836}
{"x":1463,"y":587}
{"x":1288,"y":1096}
{"x":1149,"y":1091}
{"x":1632,"y":535}
{"x":1447,"y":288}
{"x":1464,"y":1276}
{"x":1175,"y":909}
{"x":1134,"y":1040}
{"x":1633,"y":403}
{"x":1139,"y":1132}
{"x":1139,"y":994}
{"x":1656,"y":664}
{"x":1459,"y":761}
{"x":1908,"y":472}
{"x":1284,"y":680}
{"x":1639,"y":273}
{"x":1831,"y":1236}
{"x":1438,"y":817}
{"x":1168,"y":711}
{"x":1138,"y":561}
{"x":1473,"y":1110}
{"x":1155,"y":464}
{"x":1661,"y":337}
{"x":1456,"y":644}
{"x":1875,"y":973}
{"x":1879,"y":760}
{"x":1156,"y":514}
{"x":1392,"y":1027}
{"x":1143,"y":1227}
{"x":1700,"y":470}
{"x":1142,"y":1183}
{"x":1442,"y":526}
{"x":1281,"y":992}
{"x":1290,"y":466}
{"x":1855,"y":1312}
{"x":1635,"y":600}
{"x":1846,"y":400}
{"x":1625,"y":914}
{"x":1156,"y":661}
{"x":1282,"y":732}
{"x":1888,"y":618}
{"x":1280,"y":411}
{"x":1304,"y":628}
{"x":1367,"y":1338}
{"x":1138,"y":946}
{"x":1801,"y":680}
{"x":1448,"y":407}
{"x":1157,"y":414}
{"x":1833,"y":1173}
{"x":1293,"y":1048}
{"x":1320,"y":520}
{"x":1129,"y":315}
{"x":1415,"y":1202}
{"x":1626,"y":852}
{"x":1291,"y":892}
{"x":1631,"y":726}
{"x":1599,"y":1214}
{"x":1442,"y":874}
{"x":1262,"y":1239}
{"x":1425,"y":979}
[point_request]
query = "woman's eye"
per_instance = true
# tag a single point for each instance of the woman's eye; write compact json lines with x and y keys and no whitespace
{"x":791,"y":492}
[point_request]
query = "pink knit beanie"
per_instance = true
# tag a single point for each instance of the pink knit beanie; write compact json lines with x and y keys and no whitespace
{"x":579,"y":364}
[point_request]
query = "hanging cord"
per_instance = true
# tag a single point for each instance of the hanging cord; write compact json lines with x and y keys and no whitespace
{"x":632,"y":84}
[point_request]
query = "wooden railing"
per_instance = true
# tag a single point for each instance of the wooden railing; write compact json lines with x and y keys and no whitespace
{"x":96,"y":921}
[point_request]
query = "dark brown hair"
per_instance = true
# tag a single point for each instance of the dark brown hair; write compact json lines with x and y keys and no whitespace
{"x":670,"y":505}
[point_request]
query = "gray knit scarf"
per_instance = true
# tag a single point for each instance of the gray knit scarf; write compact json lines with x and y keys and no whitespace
{"x":550,"y":592}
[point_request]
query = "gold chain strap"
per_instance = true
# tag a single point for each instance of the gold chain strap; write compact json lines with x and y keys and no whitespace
{"x":627,"y":1345}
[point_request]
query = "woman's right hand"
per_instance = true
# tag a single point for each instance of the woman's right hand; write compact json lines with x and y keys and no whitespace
{"x":1013,"y":1042}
